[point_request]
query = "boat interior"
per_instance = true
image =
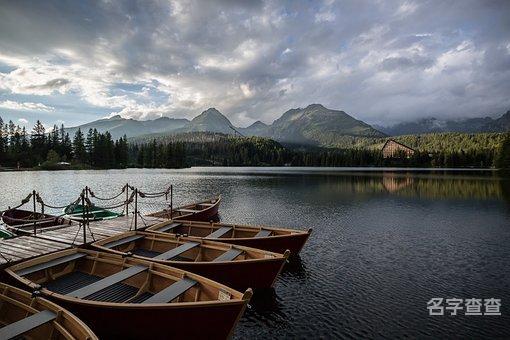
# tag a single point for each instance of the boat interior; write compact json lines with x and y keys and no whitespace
{"x":215,"y":230}
{"x":173,"y":248}
{"x":27,"y":220}
{"x":26,"y":317}
{"x":110,"y":278}
{"x":186,"y":210}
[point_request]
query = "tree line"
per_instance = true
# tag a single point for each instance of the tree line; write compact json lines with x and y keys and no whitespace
{"x":46,"y":149}
{"x":93,"y":149}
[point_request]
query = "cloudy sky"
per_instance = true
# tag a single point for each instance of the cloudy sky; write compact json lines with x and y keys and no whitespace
{"x":381,"y":61}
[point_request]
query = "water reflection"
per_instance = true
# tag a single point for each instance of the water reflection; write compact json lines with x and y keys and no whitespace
{"x":427,"y":186}
{"x":394,"y":183}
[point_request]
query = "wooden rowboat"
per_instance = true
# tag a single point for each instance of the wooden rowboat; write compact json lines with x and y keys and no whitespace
{"x":23,"y":316}
{"x":23,"y":221}
{"x":75,"y":211}
{"x":235,"y":266}
{"x":277,"y":240}
{"x":201,"y":211}
{"x":131,"y":298}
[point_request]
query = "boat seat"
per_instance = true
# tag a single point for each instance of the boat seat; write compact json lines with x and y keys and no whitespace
{"x":219,"y":233}
{"x":168,"y":255}
{"x":172,"y":291}
{"x":263,"y":233}
{"x":49,"y":264}
{"x":18,"y":328}
{"x":145,"y":252}
{"x":229,"y":255}
{"x":122,"y":241}
{"x":192,"y":211}
{"x":107,"y":281}
{"x":169,"y":227}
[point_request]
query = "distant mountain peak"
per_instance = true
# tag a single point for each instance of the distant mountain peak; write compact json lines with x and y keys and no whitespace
{"x":211,"y":113}
{"x":316,"y":106}
{"x":213,"y":110}
{"x":316,"y":124}
{"x":258,"y":123}
{"x":116,"y":117}
{"x":210,"y":120}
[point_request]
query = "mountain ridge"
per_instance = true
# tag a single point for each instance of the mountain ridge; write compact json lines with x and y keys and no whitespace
{"x":434,"y":125}
{"x":313,"y":125}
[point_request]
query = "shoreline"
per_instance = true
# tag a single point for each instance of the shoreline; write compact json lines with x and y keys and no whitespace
{"x":267,"y":167}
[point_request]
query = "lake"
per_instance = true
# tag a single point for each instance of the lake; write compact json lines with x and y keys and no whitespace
{"x":384,"y":242}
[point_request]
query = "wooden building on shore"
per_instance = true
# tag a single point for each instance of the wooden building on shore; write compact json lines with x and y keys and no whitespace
{"x":394,"y":149}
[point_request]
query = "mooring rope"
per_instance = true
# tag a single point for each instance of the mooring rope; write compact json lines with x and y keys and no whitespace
{"x":106,"y":198}
{"x":154,"y":194}
{"x":114,"y":206}
{"x":40,"y":200}
{"x":23,"y":202}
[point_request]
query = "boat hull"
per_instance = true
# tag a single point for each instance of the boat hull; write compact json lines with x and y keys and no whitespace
{"x":239,"y":275}
{"x":14,"y":218}
{"x":213,"y":321}
{"x":205,"y":215}
{"x":94,"y":213}
{"x":276,"y":244}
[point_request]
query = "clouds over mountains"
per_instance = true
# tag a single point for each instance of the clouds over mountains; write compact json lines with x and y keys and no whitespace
{"x":384,"y":61}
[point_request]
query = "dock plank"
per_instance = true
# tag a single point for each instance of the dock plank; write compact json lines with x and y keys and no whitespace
{"x":48,"y":241}
{"x":26,"y":247}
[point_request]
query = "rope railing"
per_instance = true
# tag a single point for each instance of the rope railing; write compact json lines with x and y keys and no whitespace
{"x":155,"y":194}
{"x":23,"y":202}
{"x":114,"y":206}
{"x":41,"y":201}
{"x":88,"y":207}
{"x":92,"y":194}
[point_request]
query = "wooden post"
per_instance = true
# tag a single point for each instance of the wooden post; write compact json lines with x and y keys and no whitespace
{"x":35,"y":212}
{"x":127,"y":198}
{"x":171,"y":199}
{"x":83,"y":216}
{"x":136,"y":208}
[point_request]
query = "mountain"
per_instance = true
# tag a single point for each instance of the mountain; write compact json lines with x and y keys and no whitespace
{"x":313,"y":125}
{"x":500,"y":124}
{"x":256,"y":129}
{"x":210,"y":120}
{"x":118,"y":126}
{"x":433,"y":125}
{"x":318,"y":125}
{"x":165,"y":124}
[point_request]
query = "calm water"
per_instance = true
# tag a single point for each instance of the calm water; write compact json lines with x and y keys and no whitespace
{"x":384,"y":243}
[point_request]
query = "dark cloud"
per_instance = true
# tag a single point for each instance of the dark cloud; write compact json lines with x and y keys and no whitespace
{"x":52,"y":84}
{"x":381,"y":61}
{"x":402,"y":63}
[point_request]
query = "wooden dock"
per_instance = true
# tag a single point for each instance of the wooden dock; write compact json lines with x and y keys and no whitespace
{"x":25,"y":247}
